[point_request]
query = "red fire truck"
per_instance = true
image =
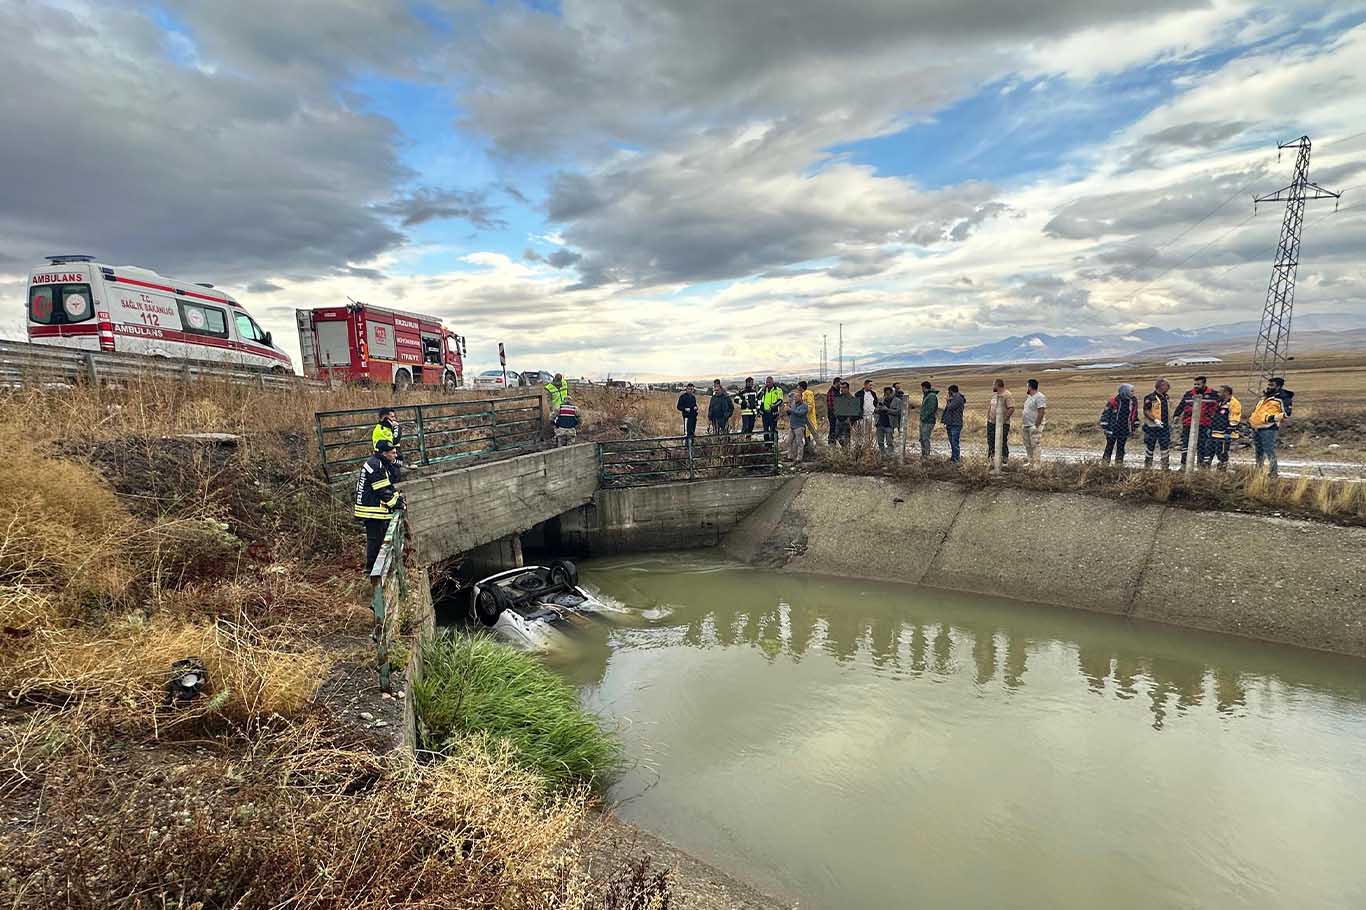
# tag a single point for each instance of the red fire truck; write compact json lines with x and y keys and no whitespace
{"x":369,"y":344}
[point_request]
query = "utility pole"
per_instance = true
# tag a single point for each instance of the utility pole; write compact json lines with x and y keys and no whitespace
{"x":825,"y":359}
{"x":1273,"y":342}
{"x":841,"y":349}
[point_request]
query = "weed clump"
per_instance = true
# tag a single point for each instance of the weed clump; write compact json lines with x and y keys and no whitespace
{"x":475,"y":686}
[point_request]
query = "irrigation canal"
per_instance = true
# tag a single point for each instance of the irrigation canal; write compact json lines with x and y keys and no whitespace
{"x":855,"y":744}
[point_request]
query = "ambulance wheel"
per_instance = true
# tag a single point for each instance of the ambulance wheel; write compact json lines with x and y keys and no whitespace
{"x":563,"y":572}
{"x":449,"y":382}
{"x":403,"y":381}
{"x":489,"y":604}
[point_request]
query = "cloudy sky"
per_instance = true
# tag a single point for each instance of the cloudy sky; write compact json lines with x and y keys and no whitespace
{"x":691,"y":186}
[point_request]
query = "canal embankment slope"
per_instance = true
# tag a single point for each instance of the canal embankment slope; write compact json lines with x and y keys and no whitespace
{"x":1289,"y":581}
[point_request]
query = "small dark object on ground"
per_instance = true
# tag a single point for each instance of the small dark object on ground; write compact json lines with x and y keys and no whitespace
{"x":189,"y":680}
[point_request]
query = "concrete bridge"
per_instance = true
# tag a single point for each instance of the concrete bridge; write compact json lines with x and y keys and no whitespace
{"x":483,"y":509}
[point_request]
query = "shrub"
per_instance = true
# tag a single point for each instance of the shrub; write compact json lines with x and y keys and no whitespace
{"x":473,"y":685}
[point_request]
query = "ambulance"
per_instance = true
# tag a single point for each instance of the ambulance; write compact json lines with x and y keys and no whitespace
{"x":76,"y":302}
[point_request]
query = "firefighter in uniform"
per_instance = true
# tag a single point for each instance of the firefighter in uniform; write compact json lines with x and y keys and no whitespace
{"x":1223,"y":426}
{"x":377,"y":498}
{"x":387,"y":429}
{"x":748,"y":403}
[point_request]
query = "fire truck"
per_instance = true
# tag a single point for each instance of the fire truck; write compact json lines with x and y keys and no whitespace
{"x":372,"y":345}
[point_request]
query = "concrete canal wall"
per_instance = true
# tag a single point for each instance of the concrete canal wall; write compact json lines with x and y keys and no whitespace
{"x":664,"y":517}
{"x":1295,"y":582}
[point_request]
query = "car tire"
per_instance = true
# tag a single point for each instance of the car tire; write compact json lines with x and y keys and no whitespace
{"x":563,"y":572}
{"x":488,"y":605}
{"x":403,"y":381}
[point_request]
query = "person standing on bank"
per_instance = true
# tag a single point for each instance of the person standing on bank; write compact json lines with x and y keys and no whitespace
{"x":1119,"y":421}
{"x":830,"y":395}
{"x":899,"y":410}
{"x":558,"y":390}
{"x":388,"y":428}
{"x":719,"y":409}
{"x":929,"y":414}
{"x":687,"y":406}
{"x":1035,"y":411}
{"x":1267,"y":419}
{"x":1157,"y":429}
{"x":953,"y":421}
{"x":376,"y":498}
{"x":809,"y":396}
{"x":1004,"y":403}
{"x":1223,"y":429}
{"x":843,"y":425}
{"x":748,"y":403}
{"x":566,"y":423}
{"x":885,"y":414}
{"x":1185,"y":411}
{"x":797,"y":425}
{"x":770,"y":408}
{"x":867,"y":419}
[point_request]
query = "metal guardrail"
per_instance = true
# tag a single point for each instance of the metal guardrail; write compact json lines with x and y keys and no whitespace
{"x":23,"y":364}
{"x":432,"y":433}
{"x":391,"y":586}
{"x":671,"y":459}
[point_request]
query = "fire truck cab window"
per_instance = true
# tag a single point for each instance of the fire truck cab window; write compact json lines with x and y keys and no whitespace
{"x":199,"y":319}
{"x":60,"y":304}
{"x":431,"y":349}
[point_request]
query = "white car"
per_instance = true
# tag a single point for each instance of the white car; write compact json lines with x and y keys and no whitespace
{"x":493,"y":379}
{"x":534,"y":606}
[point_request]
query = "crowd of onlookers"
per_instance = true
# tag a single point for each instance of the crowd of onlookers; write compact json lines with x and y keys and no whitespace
{"x":865,"y":417}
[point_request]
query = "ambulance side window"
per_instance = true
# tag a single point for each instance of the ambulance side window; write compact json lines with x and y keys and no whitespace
{"x":199,"y":319}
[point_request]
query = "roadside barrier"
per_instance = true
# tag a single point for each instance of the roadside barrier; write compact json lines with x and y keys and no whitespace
{"x":25,"y":364}
{"x":391,"y":586}
{"x":670,"y":459}
{"x":432,"y":433}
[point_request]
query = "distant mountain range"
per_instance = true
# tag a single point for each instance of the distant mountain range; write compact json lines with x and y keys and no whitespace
{"x":1041,"y":346}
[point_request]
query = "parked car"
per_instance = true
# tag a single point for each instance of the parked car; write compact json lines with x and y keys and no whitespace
{"x":534,"y":606}
{"x":493,"y":379}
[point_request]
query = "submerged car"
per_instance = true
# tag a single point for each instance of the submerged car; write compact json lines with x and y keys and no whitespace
{"x":533,"y":606}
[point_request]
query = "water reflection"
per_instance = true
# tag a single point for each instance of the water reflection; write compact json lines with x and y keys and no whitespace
{"x":912,"y":633}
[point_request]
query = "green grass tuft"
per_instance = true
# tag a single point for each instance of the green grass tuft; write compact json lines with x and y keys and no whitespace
{"x":473,"y":685}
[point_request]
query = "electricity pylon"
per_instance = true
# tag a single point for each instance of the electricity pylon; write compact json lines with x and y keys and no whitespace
{"x":1273,"y":342}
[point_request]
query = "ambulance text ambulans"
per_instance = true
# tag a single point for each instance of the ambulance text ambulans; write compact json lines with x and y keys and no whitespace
{"x":76,"y":302}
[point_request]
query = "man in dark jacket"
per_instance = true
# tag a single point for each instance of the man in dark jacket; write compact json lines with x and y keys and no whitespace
{"x":1209,"y":400}
{"x":376,"y":498}
{"x":830,"y":394}
{"x":687,"y":406}
{"x":953,"y":420}
{"x":748,"y":403}
{"x":1157,"y":431}
{"x":719,"y":409}
{"x":1119,"y":421}
{"x":929,"y":413}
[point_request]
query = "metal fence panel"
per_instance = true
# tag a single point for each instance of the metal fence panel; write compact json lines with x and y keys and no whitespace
{"x":432,"y":433}
{"x":672,"y":459}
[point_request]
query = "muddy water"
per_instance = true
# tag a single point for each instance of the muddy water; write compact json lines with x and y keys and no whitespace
{"x":861,"y":745}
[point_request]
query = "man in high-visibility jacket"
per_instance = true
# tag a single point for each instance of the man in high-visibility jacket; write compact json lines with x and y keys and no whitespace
{"x":388,"y":429}
{"x":748,"y":403}
{"x":558,"y":390}
{"x":1267,"y":419}
{"x":1223,"y":429}
{"x":770,"y":406}
{"x":377,"y":498}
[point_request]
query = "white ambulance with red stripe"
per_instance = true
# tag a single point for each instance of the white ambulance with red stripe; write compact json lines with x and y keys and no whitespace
{"x":76,"y":302}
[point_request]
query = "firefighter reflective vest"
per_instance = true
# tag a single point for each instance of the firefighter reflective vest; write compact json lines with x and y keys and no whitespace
{"x":748,"y":402}
{"x":557,"y":393}
{"x":376,"y":496}
{"x":772,"y":399}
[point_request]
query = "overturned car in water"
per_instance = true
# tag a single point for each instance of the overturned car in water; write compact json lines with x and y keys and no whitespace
{"x":533,"y":606}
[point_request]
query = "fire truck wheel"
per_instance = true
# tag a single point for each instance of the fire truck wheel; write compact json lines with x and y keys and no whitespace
{"x":449,"y":382}
{"x":403,"y":381}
